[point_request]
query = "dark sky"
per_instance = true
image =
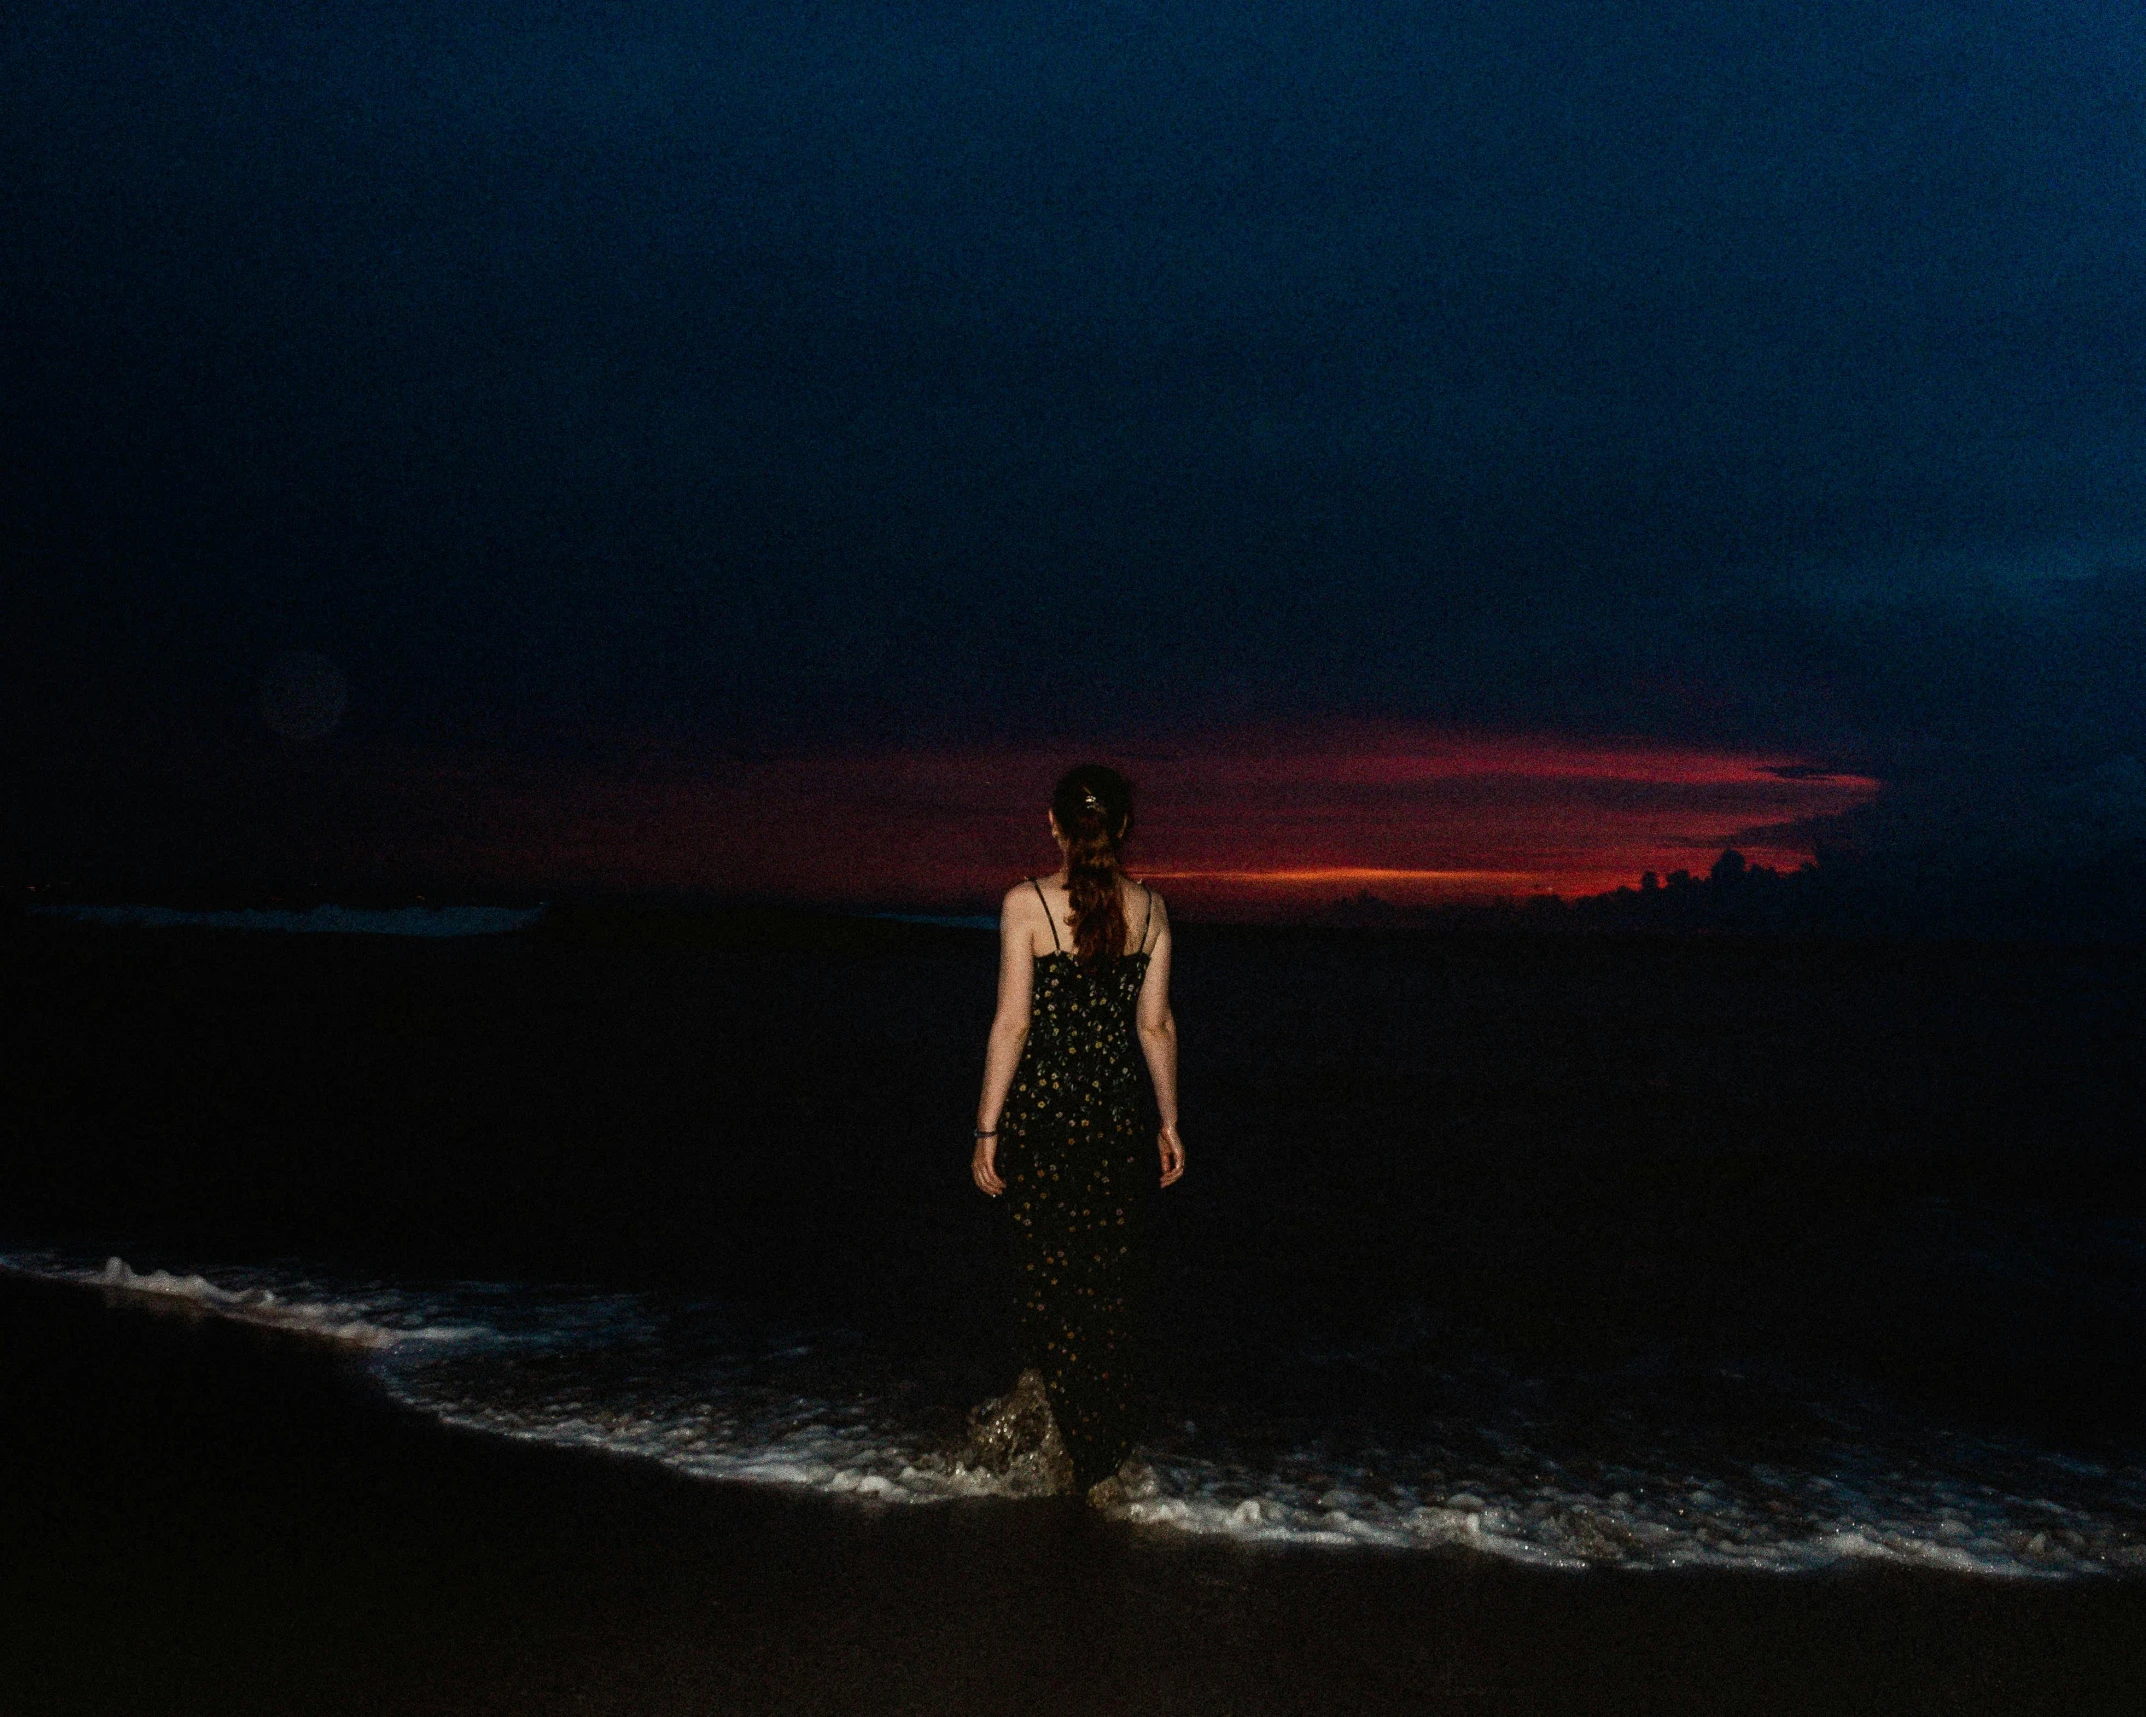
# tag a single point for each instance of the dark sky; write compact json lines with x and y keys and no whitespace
{"x":607,"y":382}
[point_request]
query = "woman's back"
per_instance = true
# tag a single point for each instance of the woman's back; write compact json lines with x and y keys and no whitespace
{"x":1136,"y":905}
{"x":1087,"y":1012}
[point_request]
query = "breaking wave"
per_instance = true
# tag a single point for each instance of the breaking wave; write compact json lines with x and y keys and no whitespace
{"x":708,"y":1391}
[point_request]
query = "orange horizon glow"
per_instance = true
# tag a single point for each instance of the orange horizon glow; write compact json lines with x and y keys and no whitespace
{"x":1362,"y":879}
{"x":1249,"y":822}
{"x":1344,"y":873}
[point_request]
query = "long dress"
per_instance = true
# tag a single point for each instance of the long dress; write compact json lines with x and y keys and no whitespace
{"x":1077,"y":1175}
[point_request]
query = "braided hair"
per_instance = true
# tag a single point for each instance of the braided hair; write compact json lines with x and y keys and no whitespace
{"x":1094,"y":808}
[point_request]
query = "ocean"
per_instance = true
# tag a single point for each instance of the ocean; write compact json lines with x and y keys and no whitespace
{"x":1575,"y":1252}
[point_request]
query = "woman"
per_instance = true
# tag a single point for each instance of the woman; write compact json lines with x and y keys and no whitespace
{"x":1084,"y":969}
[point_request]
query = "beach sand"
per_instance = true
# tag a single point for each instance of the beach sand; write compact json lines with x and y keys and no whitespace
{"x":204,"y":1517}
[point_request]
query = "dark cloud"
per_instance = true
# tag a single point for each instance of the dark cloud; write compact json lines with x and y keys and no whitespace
{"x":726,"y":374}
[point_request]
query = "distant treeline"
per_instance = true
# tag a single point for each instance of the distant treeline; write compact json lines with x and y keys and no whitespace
{"x":2099,"y":899}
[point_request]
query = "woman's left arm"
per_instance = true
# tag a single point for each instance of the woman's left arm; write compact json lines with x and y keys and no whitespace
{"x":1009,"y":1033}
{"x":1157,"y":1026}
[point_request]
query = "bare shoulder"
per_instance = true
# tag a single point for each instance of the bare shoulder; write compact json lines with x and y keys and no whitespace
{"x":1157,"y":915}
{"x":1024,"y":909}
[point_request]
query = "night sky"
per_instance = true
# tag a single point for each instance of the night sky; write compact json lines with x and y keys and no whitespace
{"x":1446,"y":448}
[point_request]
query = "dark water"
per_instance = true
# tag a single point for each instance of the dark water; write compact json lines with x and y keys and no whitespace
{"x":1590,"y":1251}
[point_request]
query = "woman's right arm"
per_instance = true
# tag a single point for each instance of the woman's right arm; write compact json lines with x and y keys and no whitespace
{"x":1009,"y":1032}
{"x":1158,"y":1042}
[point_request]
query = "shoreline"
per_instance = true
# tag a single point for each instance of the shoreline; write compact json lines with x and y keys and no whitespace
{"x":208,"y":1516}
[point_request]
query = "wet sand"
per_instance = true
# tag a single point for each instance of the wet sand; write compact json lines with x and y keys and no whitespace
{"x":203,"y":1517}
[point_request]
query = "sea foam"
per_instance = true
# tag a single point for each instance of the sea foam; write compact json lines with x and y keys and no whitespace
{"x":377,"y":1318}
{"x":709,"y":1393}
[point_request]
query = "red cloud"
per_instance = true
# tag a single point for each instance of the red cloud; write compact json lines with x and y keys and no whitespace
{"x":1248,"y":823}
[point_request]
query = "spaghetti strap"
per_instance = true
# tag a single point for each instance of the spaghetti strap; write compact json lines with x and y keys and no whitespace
{"x":1147,"y":918}
{"x":1038,"y":887}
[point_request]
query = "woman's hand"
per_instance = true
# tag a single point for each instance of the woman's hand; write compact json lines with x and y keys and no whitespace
{"x":1172,"y":1150}
{"x":983,"y":1167}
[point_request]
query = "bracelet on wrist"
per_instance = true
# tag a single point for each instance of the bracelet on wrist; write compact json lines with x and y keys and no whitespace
{"x":987,"y":1132}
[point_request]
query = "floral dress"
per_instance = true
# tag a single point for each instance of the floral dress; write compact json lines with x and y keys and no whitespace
{"x":1077,"y":1174}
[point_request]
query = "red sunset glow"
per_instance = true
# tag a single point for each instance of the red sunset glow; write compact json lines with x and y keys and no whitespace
{"x":1243,"y":824}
